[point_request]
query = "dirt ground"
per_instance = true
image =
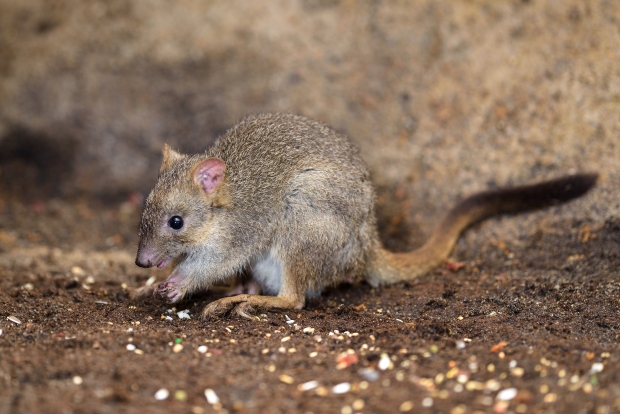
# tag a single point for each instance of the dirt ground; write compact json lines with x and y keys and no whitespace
{"x":521,"y":325}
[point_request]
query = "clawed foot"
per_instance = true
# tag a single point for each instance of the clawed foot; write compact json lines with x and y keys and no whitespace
{"x":223,"y":306}
{"x":246,"y":305}
{"x":168,"y":291}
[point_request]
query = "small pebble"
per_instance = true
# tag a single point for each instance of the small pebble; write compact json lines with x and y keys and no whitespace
{"x":184,"y":314}
{"x":202,"y":349}
{"x":77,"y":380}
{"x":162,"y":394}
{"x":427,"y":402}
{"x":308,"y":331}
{"x":341,"y":388}
{"x":177,"y":348}
{"x":131,"y":347}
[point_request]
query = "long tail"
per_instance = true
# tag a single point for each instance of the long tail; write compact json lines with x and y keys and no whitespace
{"x":390,"y":267}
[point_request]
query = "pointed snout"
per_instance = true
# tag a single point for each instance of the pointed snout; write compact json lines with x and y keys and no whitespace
{"x":145,"y":258}
{"x":140,"y":263}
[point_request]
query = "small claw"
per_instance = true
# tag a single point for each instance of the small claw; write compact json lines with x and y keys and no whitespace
{"x":168,"y":291}
{"x":246,"y":310}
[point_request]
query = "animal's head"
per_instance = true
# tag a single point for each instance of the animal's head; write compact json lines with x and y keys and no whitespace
{"x":182,"y":208}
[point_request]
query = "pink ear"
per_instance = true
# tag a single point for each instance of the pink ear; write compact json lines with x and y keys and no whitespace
{"x":209,"y":174}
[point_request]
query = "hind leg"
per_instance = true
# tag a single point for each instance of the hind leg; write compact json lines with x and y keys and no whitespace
{"x":292,"y":295}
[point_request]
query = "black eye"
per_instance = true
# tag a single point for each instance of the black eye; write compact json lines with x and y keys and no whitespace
{"x":175,"y":222}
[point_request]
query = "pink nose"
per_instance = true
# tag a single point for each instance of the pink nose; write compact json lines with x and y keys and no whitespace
{"x":145,"y":258}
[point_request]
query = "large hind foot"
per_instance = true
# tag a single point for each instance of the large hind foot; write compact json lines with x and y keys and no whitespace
{"x":246,"y":305}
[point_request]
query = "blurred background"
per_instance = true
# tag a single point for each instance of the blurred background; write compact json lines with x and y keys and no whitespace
{"x":444,"y":98}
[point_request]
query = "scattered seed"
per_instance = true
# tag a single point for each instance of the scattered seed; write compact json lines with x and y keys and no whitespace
{"x":150,"y":281}
{"x":427,"y":402}
{"x":162,"y":394}
{"x":14,"y":319}
{"x":358,"y":404}
{"x":76,"y":270}
{"x":596,"y":368}
{"x":131,"y":347}
{"x":406,"y":406}
{"x":321,"y":391}
{"x":101,"y":302}
{"x":285,"y":339}
{"x":384,"y":362}
{"x":211,"y":397}
{"x":307,"y":386}
{"x":369,"y":374}
{"x":184,"y":314}
{"x":202,"y":349}
{"x":308,"y":331}
{"x":501,"y":407}
{"x":341,"y":388}
{"x":77,"y":380}
{"x":550,"y":398}
{"x":177,"y":348}
{"x":346,"y":359}
{"x":168,"y":318}
{"x":139,"y":352}
{"x":507,"y":394}
{"x":313,"y":354}
{"x":180,"y":395}
{"x":287,"y":379}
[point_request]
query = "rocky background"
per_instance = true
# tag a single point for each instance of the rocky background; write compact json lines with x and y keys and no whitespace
{"x":444,"y":98}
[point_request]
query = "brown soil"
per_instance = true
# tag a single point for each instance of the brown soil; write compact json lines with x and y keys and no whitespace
{"x":539,"y":313}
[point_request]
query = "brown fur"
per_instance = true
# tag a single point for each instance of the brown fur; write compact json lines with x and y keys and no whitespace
{"x":291,"y":199}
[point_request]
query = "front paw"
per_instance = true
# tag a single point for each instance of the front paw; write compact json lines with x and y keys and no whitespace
{"x":168,"y":291}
